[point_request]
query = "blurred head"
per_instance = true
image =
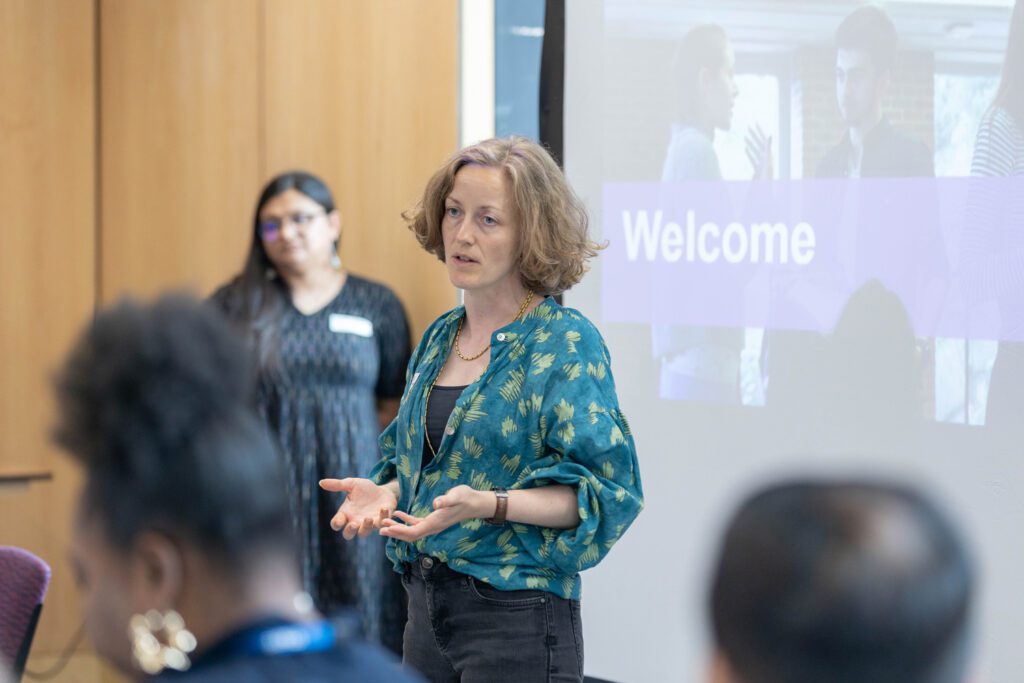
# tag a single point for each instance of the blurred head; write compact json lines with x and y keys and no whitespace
{"x":181,"y":487}
{"x":501,"y":211}
{"x":297,"y":226}
{"x":874,"y":352}
{"x":866,"y":47}
{"x":840,"y":582}
{"x":704,"y":78}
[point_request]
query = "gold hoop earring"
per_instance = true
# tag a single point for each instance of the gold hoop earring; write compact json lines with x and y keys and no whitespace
{"x":160,"y":641}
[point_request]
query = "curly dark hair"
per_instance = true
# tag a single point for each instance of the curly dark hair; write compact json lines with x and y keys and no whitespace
{"x":154,"y":404}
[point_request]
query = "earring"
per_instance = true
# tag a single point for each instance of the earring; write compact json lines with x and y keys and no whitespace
{"x":270,"y":274}
{"x":335,"y":258}
{"x":150,"y":654}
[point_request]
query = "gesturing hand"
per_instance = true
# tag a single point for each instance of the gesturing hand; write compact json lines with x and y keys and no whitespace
{"x":760,"y":153}
{"x":460,"y":503}
{"x":366,"y":506}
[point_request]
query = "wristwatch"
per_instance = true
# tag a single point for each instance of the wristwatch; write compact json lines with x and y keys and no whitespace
{"x":502,"y":508}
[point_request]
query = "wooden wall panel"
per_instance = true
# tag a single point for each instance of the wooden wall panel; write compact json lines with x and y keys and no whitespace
{"x":47,"y":273}
{"x":364,"y":94}
{"x":135,"y":135}
{"x":180,"y":141}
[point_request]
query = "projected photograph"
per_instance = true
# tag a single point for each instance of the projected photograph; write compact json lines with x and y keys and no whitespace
{"x":817,"y":188}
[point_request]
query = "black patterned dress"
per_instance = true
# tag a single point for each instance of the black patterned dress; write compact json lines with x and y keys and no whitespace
{"x":321,"y":405}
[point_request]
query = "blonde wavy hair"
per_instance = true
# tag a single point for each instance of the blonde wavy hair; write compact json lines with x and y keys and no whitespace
{"x":554,"y":242}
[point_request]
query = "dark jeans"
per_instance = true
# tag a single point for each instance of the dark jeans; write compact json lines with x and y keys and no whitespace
{"x":463,"y":630}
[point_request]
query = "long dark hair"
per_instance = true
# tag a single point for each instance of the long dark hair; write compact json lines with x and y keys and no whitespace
{"x":1010,"y":95}
{"x":259,"y":295}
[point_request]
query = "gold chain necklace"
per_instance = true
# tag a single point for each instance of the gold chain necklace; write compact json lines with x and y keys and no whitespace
{"x":458,"y":332}
{"x":426,"y":432}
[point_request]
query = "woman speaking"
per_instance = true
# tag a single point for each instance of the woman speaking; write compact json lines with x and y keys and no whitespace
{"x":509,"y":468}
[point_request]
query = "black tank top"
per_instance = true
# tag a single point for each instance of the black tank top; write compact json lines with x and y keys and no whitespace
{"x":439,"y":408}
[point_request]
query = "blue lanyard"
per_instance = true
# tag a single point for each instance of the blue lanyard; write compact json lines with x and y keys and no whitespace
{"x":269,"y":638}
{"x":288,"y":639}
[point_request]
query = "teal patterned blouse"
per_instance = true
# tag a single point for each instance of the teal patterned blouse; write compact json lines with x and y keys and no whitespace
{"x":544,"y":412}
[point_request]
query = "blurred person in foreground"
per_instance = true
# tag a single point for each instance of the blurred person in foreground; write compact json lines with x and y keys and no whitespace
{"x":842,"y":582}
{"x":183,"y":548}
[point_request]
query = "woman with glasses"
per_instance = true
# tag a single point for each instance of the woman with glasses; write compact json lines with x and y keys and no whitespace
{"x":331,"y":349}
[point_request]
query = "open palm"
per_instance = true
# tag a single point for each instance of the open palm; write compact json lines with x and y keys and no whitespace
{"x":460,"y":503}
{"x":366,"y":505}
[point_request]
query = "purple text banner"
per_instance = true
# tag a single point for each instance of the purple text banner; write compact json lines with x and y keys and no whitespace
{"x":789,"y":254}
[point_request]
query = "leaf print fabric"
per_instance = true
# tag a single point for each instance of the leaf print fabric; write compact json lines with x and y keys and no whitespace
{"x":545,"y":412}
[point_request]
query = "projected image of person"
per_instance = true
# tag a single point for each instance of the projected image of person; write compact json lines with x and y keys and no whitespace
{"x":867,"y":47}
{"x":993,"y":244}
{"x":331,"y":349}
{"x":866,"y":50}
{"x":705,"y":94}
{"x":510,"y":467}
{"x":703,"y":363}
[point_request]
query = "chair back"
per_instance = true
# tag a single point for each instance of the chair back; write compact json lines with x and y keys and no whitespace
{"x":24,"y":579}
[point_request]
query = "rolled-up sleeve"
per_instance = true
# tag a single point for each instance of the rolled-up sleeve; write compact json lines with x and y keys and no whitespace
{"x":588,"y":445}
{"x":386,"y":468}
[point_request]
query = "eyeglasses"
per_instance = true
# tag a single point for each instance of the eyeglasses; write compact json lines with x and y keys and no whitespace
{"x":270,"y":228}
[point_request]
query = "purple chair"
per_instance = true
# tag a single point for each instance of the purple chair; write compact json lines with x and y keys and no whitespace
{"x":23,"y":582}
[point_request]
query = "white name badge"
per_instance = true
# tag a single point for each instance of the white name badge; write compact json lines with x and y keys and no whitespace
{"x":350,"y":324}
